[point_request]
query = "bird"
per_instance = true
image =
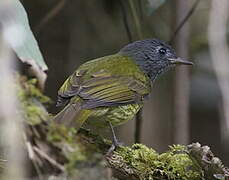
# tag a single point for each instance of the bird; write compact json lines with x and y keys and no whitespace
{"x":109,"y":91}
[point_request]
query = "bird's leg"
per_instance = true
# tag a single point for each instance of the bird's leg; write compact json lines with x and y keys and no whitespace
{"x":115,"y":142}
{"x":114,"y":138}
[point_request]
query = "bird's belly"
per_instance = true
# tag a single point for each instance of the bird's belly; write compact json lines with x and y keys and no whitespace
{"x":116,"y":115}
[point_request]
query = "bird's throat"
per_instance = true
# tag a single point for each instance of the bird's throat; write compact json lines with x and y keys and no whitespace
{"x":152,"y":70}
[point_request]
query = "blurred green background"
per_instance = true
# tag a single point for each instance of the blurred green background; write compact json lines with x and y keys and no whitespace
{"x":71,"y":32}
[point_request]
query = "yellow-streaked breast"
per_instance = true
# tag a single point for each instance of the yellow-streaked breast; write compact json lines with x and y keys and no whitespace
{"x":116,"y":115}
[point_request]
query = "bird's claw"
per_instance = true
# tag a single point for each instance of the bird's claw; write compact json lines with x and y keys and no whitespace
{"x":115,"y":145}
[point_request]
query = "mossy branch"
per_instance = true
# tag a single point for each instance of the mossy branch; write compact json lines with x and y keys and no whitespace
{"x":59,"y":151}
{"x":180,"y":162}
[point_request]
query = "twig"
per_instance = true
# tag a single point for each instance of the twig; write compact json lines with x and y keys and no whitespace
{"x":31,"y":155}
{"x":140,"y":10}
{"x":50,"y":15}
{"x":136,"y":19}
{"x":138,"y":127}
{"x":125,"y":22}
{"x":49,"y":159}
{"x":189,"y":14}
{"x":202,"y":155}
{"x":182,"y":79}
{"x":138,"y":122}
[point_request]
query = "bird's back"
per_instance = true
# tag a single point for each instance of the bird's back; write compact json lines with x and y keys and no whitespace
{"x":117,"y":65}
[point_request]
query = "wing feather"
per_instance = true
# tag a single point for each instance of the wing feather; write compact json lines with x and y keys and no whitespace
{"x":104,"y":89}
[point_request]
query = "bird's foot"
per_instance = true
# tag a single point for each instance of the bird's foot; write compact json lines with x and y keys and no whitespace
{"x":115,"y":144}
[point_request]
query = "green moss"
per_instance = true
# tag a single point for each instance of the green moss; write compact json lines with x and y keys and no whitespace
{"x":147,"y":164}
{"x":138,"y":159}
{"x":32,"y":100}
{"x":65,"y":138}
{"x":30,"y":90}
{"x":72,"y":148}
{"x":60,"y":133}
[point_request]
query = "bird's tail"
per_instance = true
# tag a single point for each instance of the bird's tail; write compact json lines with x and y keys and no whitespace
{"x":72,"y":115}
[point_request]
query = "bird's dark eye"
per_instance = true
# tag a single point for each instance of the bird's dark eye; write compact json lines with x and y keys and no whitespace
{"x":162,"y":51}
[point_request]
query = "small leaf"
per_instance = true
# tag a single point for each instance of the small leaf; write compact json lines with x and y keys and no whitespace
{"x":153,"y":5}
{"x":17,"y":33}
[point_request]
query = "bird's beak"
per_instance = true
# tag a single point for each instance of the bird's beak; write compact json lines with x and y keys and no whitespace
{"x":178,"y":61}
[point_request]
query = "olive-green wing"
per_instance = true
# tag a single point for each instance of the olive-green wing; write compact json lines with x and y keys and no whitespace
{"x":70,"y":87}
{"x":104,"y":89}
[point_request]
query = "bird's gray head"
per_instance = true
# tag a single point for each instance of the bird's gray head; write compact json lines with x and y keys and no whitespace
{"x":153,"y":56}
